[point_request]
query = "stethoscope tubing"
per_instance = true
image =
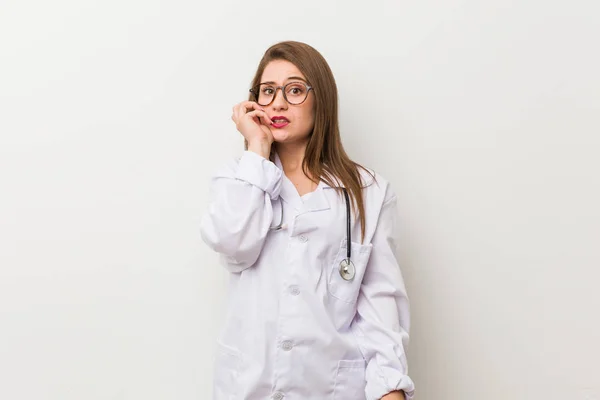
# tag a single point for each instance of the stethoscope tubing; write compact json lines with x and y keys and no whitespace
{"x":346,"y":270}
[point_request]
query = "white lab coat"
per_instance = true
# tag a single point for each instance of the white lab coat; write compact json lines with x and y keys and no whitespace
{"x":294,"y":329}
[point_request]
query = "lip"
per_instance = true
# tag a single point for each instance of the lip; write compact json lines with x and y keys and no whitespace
{"x":279,"y":124}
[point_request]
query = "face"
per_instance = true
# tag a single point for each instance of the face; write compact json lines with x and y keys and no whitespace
{"x":291,"y":123}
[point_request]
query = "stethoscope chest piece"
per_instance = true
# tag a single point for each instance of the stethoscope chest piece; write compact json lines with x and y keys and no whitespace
{"x":347,"y":270}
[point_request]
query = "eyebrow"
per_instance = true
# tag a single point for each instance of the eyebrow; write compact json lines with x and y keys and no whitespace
{"x":291,"y":78}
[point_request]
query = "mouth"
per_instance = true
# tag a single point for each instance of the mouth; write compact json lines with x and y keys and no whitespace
{"x":279,"y":122}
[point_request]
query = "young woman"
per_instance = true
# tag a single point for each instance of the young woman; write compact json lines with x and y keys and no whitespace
{"x":317,"y":307}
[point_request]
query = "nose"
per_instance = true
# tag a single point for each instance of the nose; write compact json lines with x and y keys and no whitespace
{"x":279,"y":102}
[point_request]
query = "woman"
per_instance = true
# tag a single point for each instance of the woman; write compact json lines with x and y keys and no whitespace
{"x":317,"y":307}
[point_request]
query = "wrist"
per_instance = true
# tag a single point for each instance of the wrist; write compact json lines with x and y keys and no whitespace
{"x":262,"y":148}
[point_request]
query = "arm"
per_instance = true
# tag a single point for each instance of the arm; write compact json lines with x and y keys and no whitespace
{"x":382,"y":321}
{"x":240,"y":211}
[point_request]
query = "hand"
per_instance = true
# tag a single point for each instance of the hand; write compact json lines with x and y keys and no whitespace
{"x":397,"y":395}
{"x":252,"y":122}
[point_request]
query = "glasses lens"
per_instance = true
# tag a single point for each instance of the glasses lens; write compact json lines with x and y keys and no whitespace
{"x":264,"y":94}
{"x":295,"y":92}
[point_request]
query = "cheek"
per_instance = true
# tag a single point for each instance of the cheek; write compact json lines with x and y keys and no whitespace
{"x":308,"y":115}
{"x":307,"y":119}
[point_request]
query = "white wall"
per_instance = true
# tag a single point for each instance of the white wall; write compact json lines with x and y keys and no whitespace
{"x":113,"y":114}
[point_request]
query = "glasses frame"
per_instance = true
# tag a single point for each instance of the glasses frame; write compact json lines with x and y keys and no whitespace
{"x":255,"y":93}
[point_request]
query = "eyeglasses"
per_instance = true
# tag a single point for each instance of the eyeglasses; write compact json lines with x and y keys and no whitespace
{"x":294,"y":93}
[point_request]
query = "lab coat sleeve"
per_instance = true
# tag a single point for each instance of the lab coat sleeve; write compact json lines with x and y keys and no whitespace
{"x":382,"y":321}
{"x":240,"y":210}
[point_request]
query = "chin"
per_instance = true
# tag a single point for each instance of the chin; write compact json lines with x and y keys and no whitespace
{"x":281,"y":136}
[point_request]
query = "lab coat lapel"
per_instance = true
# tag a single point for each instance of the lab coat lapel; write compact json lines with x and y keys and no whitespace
{"x":288,"y":193}
{"x":316,"y":202}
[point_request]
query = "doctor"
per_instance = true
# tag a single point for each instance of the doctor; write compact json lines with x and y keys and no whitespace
{"x":317,"y":307}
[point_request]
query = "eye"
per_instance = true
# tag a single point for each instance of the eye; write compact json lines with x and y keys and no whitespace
{"x":267,"y":90}
{"x":296,"y":89}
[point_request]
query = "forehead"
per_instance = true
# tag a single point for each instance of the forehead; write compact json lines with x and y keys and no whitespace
{"x":279,"y":71}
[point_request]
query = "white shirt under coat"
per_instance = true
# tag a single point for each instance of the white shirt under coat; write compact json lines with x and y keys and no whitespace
{"x":294,"y":328}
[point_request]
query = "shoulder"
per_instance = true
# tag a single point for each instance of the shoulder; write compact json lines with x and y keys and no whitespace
{"x":379,"y":200}
{"x":375,"y":186}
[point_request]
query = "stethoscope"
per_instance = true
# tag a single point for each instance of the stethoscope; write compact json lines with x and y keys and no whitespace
{"x":346,"y":269}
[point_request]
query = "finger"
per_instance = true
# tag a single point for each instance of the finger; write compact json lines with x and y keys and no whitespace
{"x":235,"y":117}
{"x":237,"y":112}
{"x":246,"y":106}
{"x":263,"y":117}
{"x":233,"y":114}
{"x":250,"y":105}
{"x":258,"y":114}
{"x":242,"y":108}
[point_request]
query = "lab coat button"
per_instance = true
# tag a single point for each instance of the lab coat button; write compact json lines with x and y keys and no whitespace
{"x":277,"y":396}
{"x":295,"y":290}
{"x":303,"y":239}
{"x":287,"y":345}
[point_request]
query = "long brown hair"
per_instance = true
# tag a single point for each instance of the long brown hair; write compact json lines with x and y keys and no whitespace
{"x":325,"y":156}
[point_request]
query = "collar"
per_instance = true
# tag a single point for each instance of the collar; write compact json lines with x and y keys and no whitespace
{"x":316,"y":202}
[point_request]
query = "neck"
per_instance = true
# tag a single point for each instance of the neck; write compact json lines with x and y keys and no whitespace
{"x":291,"y":156}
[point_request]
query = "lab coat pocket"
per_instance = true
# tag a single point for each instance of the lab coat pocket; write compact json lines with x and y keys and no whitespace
{"x":343,"y":289}
{"x":227,"y":367}
{"x":350,"y":380}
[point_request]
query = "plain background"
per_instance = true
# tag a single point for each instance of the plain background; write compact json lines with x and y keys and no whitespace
{"x":484,"y":115}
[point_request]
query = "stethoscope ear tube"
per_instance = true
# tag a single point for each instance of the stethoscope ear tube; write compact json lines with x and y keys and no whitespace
{"x":347,"y":270}
{"x":348,"y":232}
{"x":281,"y":224}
